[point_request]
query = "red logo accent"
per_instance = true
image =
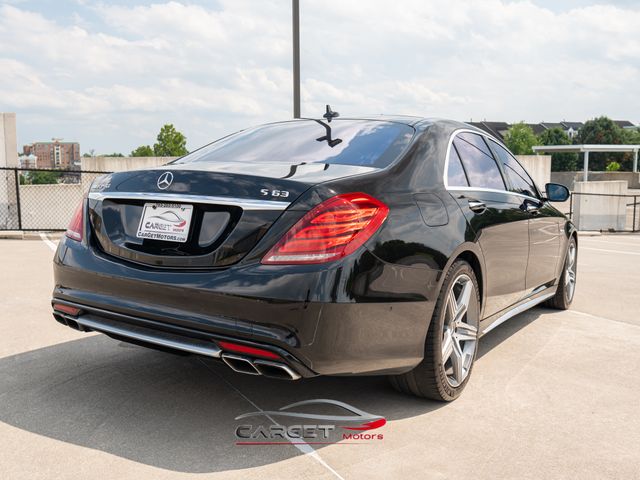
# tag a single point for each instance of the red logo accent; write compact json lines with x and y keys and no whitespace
{"x":369,"y":425}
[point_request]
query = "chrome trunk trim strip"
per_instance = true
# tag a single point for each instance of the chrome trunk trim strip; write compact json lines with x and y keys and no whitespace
{"x":244,"y":203}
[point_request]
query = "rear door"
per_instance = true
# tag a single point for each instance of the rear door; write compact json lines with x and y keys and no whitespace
{"x":494,"y":213}
{"x":544,"y":224}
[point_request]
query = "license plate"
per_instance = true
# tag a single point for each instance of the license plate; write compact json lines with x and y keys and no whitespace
{"x":165,"y":221}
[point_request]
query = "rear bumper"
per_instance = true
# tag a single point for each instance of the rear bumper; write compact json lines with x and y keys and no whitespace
{"x":361,"y":316}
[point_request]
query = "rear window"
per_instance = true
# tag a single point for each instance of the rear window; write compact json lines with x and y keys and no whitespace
{"x":364,"y":142}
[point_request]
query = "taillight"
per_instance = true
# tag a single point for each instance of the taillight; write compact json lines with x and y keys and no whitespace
{"x":332,"y":230}
{"x":76,"y":226}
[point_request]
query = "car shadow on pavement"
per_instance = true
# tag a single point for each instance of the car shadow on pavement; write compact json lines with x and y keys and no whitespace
{"x":164,"y":410}
{"x":174,"y":412}
{"x":507,"y":329}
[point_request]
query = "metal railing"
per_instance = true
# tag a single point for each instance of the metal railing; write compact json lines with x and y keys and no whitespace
{"x":38,"y":199}
{"x":627,"y":220}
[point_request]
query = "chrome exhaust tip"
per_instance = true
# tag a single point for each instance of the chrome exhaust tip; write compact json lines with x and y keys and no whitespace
{"x":240,"y":364}
{"x":275,"y":370}
{"x":265,"y":368}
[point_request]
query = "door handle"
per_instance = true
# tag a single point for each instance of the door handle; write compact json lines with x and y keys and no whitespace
{"x":530,"y":207}
{"x":477,"y":206}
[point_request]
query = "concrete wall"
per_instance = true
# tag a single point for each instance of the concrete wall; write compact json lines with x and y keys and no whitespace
{"x":570,"y":178}
{"x":600,"y":213}
{"x":120,"y":164}
{"x":49,"y":206}
{"x":538,"y":166}
{"x":8,"y":140}
{"x":8,"y":158}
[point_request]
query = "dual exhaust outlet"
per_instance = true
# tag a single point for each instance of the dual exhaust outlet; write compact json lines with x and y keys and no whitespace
{"x":256,"y":366}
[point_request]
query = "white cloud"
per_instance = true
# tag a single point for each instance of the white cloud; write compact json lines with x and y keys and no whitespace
{"x":112,"y":75}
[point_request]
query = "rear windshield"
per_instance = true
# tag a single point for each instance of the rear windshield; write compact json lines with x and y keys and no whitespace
{"x":364,"y":142}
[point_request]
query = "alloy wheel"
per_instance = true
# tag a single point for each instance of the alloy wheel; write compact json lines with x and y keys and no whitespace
{"x":570,"y":275}
{"x":460,"y":332}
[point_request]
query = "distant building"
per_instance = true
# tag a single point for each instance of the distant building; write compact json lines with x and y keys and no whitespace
{"x":54,"y":154}
{"x":28,"y":161}
{"x":549,"y":125}
{"x":499,"y":129}
{"x":626,"y":124}
{"x":536,"y":127}
{"x":572,"y":128}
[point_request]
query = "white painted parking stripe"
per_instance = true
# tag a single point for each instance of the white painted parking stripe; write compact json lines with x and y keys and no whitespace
{"x":305,"y":448}
{"x":631,"y":246}
{"x":610,"y":251}
{"x":50,"y":244}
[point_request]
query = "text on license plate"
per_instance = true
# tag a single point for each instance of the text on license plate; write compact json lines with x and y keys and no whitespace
{"x":165,"y":221}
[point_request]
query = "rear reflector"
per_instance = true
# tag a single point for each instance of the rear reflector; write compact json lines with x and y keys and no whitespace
{"x":332,"y":230}
{"x":251,"y":351}
{"x":66,"y":309}
{"x":76,"y":226}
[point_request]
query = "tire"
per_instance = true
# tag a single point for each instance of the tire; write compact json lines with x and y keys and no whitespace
{"x":567,"y":283}
{"x":433,"y":378}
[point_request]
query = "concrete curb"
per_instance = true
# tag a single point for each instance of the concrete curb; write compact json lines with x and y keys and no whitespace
{"x":20,"y":235}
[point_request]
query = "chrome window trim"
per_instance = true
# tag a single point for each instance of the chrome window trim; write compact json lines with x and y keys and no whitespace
{"x":481,"y":189}
{"x":492,"y":190}
{"x":244,"y":203}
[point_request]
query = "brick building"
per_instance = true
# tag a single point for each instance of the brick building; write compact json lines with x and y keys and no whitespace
{"x":54,"y":154}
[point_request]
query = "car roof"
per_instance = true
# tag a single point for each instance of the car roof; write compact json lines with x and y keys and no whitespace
{"x":419,"y":123}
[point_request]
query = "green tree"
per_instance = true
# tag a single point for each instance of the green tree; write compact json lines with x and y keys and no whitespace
{"x":560,"y":162}
{"x":613,"y":167}
{"x":520,"y":138}
{"x":111,"y":155}
{"x":142,"y":151}
{"x":171,"y":143}
{"x":629,"y":137}
{"x":40,"y":177}
{"x":601,"y":131}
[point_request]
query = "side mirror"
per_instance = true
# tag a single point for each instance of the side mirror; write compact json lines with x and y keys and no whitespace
{"x":556,"y":192}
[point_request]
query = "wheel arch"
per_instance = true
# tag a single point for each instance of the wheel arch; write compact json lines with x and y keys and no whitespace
{"x":471,"y":253}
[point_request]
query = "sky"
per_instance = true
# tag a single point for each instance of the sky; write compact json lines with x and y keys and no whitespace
{"x":110,"y":74}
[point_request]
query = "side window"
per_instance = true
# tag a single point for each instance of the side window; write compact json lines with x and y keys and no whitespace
{"x":518,"y":177}
{"x":455,"y":174}
{"x":480,"y":166}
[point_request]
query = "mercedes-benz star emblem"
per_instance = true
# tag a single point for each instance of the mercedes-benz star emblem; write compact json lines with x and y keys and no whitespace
{"x":165,"y":180}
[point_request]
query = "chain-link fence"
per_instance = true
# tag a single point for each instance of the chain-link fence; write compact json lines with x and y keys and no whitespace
{"x":40,"y":199}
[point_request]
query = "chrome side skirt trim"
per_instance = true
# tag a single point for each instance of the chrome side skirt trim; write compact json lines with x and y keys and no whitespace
{"x":156,"y":337}
{"x":515,"y":311}
{"x":244,"y":203}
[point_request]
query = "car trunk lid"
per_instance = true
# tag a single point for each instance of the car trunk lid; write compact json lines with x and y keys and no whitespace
{"x":220,"y":211}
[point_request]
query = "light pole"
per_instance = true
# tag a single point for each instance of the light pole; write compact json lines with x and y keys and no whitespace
{"x":295,"y":8}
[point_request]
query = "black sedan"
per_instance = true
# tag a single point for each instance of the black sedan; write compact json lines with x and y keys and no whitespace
{"x":382,"y":245}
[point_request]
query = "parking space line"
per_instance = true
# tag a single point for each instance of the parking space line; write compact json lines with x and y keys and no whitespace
{"x":617,"y":241}
{"x":303,"y":446}
{"x":610,"y":251}
{"x":49,"y":243}
{"x":599,"y":317}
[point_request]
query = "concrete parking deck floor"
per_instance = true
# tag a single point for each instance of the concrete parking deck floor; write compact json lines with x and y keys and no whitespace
{"x":553,"y":395}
